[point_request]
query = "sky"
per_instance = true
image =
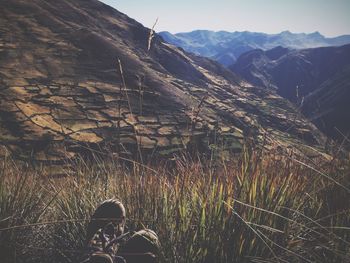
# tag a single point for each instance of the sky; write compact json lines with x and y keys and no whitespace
{"x":329,"y":17}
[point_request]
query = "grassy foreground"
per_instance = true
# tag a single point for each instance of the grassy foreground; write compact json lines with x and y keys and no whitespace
{"x":256,"y":207}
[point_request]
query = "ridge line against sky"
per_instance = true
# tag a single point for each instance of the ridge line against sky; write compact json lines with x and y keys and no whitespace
{"x":329,"y":17}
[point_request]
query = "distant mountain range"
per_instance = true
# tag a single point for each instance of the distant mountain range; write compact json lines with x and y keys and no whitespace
{"x":317,"y":79}
{"x":226,"y":47}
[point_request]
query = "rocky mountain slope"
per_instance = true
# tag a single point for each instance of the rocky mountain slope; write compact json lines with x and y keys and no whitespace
{"x":226,"y":47}
{"x":77,"y":74}
{"x":316,"y":79}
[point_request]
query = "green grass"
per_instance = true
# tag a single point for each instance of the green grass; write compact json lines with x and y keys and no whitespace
{"x":256,"y":207}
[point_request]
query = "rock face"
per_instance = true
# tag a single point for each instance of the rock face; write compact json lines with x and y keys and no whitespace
{"x":78,"y":74}
{"x":226,"y":47}
{"x":316,"y":79}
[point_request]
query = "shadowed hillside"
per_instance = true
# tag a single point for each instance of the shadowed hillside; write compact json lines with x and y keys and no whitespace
{"x":77,"y":73}
{"x":316,"y":79}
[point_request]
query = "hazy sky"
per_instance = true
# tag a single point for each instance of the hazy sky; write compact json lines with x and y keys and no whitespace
{"x":329,"y":17}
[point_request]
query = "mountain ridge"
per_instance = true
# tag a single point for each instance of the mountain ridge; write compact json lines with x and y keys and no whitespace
{"x":225,"y":47}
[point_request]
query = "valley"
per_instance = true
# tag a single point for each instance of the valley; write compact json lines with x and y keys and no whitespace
{"x":217,"y":147}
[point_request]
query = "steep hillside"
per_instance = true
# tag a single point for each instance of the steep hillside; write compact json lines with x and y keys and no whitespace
{"x":316,"y":79}
{"x":226,"y":47}
{"x":77,"y":74}
{"x":328,"y":106}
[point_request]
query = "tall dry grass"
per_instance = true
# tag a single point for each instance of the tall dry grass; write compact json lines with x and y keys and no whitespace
{"x":256,"y":207}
